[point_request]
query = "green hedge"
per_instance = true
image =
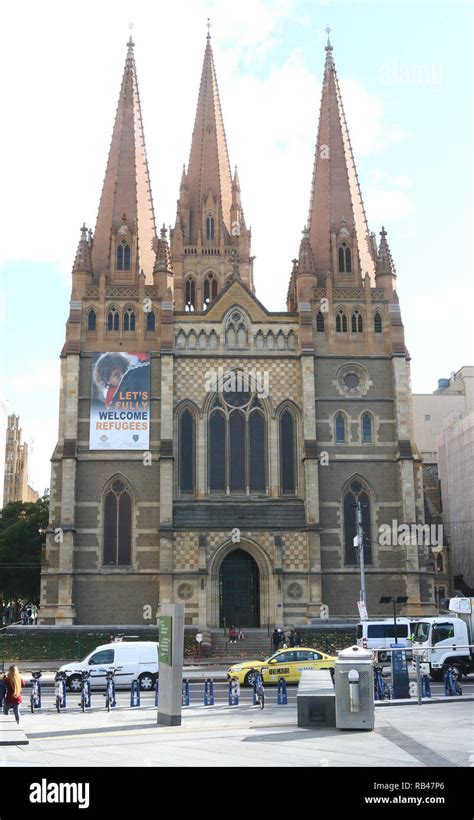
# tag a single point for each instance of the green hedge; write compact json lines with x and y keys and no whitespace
{"x":59,"y":646}
{"x":339,"y":639}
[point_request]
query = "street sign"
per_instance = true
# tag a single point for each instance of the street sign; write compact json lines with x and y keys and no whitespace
{"x":165,"y":651}
{"x":199,"y":637}
{"x":362,"y":611}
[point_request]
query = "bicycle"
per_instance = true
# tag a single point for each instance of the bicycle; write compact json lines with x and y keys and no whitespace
{"x":379,"y":685}
{"x":258,"y":689}
{"x":35,"y":699}
{"x":110,"y":700}
{"x":85,"y":700}
{"x":451,"y":682}
{"x":60,"y":689}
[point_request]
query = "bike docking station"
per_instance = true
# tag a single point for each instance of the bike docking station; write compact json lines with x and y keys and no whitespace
{"x":170,"y":654}
{"x":134,"y":694}
{"x":282,"y":694}
{"x":208,"y":692}
{"x":185,"y":693}
{"x":400,"y":678}
{"x":234,"y":691}
{"x":35,"y":700}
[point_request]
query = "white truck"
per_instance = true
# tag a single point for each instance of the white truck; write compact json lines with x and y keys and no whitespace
{"x":447,"y":640}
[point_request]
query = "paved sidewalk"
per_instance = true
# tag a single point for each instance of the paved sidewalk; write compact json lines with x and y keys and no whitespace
{"x":406,"y":736}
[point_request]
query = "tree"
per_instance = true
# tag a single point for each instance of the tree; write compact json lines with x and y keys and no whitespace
{"x":22,"y":527}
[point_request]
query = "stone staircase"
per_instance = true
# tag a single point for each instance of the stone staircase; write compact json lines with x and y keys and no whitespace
{"x":256,"y":644}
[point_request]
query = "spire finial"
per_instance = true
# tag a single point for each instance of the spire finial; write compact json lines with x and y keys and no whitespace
{"x":130,"y":43}
{"x":328,"y":30}
{"x":208,"y":28}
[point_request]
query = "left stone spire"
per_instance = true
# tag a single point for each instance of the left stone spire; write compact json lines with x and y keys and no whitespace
{"x":125,"y":235}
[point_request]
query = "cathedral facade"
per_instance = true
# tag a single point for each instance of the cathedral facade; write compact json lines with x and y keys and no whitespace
{"x":214,"y":453}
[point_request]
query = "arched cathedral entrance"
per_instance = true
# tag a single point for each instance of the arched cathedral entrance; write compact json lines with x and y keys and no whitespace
{"x":239,"y":590}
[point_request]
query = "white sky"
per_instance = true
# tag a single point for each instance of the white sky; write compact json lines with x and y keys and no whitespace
{"x":61,"y":67}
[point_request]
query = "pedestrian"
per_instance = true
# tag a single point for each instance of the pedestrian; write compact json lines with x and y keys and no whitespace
{"x":275,"y":639}
{"x":29,"y":615}
{"x":23,"y":616}
{"x":14,"y":684}
{"x":241,"y":635}
{"x":291,"y":638}
{"x":232,"y":634}
{"x":281,"y":638}
{"x":296,"y":638}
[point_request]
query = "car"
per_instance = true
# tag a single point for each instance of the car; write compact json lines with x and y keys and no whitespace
{"x":380,"y":634}
{"x":286,"y":663}
{"x":137,"y":660}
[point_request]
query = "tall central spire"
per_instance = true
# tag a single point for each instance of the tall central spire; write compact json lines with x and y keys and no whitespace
{"x":336,"y":211}
{"x":210,"y":227}
{"x":126,"y":206}
{"x":209,"y":167}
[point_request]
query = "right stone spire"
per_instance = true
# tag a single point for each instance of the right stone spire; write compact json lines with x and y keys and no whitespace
{"x":338,"y":232}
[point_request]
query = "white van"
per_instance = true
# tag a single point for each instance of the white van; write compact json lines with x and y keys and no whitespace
{"x":379,"y":635}
{"x":133,"y":661}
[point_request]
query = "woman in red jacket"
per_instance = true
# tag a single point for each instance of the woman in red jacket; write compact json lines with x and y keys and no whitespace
{"x":14,"y":684}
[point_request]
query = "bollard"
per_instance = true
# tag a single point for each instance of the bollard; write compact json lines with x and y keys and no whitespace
{"x":135,"y":693}
{"x":209,"y":692}
{"x":157,"y":687}
{"x":282,"y":694}
{"x":426,"y":686}
{"x":185,"y":693}
{"x":233,"y":693}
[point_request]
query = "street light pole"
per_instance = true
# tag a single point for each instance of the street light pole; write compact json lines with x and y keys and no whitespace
{"x":360,"y":540}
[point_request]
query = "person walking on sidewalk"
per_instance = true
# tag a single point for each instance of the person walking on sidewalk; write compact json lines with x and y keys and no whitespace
{"x":14,"y":684}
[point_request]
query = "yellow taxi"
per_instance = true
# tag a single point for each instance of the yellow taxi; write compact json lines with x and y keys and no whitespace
{"x":286,"y":663}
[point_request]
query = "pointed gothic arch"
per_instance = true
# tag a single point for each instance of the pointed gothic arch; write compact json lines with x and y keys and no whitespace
{"x":113,"y":319}
{"x":344,"y":258}
{"x":190,"y":294}
{"x":118,"y":503}
{"x":236,"y":329}
{"x":210,"y":288}
{"x":357,"y":324}
{"x":367,"y":428}
{"x":123,"y":255}
{"x":266,"y":603}
{"x":186,"y":425}
{"x":91,"y":320}
{"x":210,"y":227}
{"x":355,"y":489}
{"x":341,"y":321}
{"x":129,"y":319}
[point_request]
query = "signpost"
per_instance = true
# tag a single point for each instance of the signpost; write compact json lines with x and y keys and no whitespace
{"x":171,"y":626}
{"x":362,"y":611}
{"x":165,"y":652}
{"x":199,"y":640}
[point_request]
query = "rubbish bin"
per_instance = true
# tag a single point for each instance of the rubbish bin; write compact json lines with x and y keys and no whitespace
{"x":354,"y":681}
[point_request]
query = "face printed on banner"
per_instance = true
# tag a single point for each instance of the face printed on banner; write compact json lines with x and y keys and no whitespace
{"x":120,"y":401}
